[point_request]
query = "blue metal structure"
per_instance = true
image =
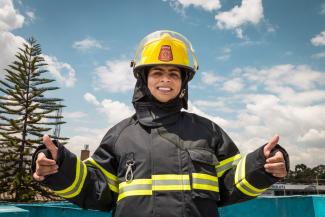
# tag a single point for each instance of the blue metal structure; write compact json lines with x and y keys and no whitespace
{"x":291,"y":206}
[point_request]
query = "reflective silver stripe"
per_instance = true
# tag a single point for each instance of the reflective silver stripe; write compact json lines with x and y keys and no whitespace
{"x":205,"y":181}
{"x":110,"y":178}
{"x":241,"y":182}
{"x":75,"y":188}
{"x":248,"y":191}
{"x":170,"y":182}
{"x":227,"y":164}
{"x":135,"y":187}
{"x":224,"y":168}
{"x":240,"y":170}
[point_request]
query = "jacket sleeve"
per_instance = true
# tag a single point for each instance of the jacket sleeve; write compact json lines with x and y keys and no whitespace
{"x":242,"y":177}
{"x":90,"y":184}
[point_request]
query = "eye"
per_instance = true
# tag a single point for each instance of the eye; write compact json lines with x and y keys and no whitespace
{"x":175,"y":75}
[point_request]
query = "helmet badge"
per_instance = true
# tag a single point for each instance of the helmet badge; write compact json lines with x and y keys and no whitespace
{"x":165,"y":54}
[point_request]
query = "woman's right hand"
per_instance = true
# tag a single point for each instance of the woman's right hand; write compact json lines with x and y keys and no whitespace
{"x":44,"y":165}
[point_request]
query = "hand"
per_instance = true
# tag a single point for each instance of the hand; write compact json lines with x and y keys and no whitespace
{"x":274,"y":164}
{"x":45,"y":166}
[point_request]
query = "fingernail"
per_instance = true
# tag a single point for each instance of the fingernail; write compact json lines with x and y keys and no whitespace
{"x":265,"y":166}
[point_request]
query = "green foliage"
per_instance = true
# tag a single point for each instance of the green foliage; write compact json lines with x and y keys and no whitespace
{"x":25,"y":115}
{"x":305,"y":175}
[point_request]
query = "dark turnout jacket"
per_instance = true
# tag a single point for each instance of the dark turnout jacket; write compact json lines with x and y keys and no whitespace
{"x":161,"y":162}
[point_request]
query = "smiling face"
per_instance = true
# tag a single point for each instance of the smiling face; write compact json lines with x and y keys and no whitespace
{"x":164,"y":82}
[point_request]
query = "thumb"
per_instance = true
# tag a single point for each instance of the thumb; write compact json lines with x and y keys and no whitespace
{"x":51,"y":147}
{"x":269,"y":146}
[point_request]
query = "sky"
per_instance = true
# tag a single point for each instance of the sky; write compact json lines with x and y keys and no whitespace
{"x":262,"y":64}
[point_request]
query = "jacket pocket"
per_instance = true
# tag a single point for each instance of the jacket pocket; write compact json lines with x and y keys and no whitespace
{"x":204,"y":180}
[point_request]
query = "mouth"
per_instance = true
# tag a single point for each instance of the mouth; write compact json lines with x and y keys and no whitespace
{"x":164,"y":89}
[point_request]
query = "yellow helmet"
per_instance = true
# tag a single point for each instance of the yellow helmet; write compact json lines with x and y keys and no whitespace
{"x":165,"y":47}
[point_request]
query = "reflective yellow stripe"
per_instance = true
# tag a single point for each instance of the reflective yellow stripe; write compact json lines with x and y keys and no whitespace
{"x":227,"y":164}
{"x":171,"y":182}
{"x":205,"y":187}
{"x":241,"y":182}
{"x":170,"y":177}
{"x":203,"y":181}
{"x":111,"y":179}
{"x":75,"y":188}
{"x":252,"y":188}
{"x":134,"y":188}
{"x":134,"y":193}
{"x":240,"y":187}
{"x":135,"y":182}
{"x":228,"y":160}
{"x":171,"y":187}
{"x":240,"y":170}
{"x":205,"y":176}
{"x":161,"y":182}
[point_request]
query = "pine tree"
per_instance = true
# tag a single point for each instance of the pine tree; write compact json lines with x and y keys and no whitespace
{"x":25,"y":115}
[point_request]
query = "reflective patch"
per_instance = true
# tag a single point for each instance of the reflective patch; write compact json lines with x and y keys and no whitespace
{"x":227,"y":164}
{"x":75,"y":188}
{"x":165,"y":54}
{"x":241,"y":182}
{"x":206,"y":182}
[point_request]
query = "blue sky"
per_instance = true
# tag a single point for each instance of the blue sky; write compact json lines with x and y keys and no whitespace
{"x":262,"y":63}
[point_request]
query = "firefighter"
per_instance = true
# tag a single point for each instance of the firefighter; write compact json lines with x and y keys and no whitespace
{"x":161,"y":161}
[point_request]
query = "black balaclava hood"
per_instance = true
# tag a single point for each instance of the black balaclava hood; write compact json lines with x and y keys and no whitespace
{"x":149,"y":111}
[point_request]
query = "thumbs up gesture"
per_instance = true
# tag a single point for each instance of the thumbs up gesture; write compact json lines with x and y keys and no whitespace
{"x":274,"y":164}
{"x":44,"y":165}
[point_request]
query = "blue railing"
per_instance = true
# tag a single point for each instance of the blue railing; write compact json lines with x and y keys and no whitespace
{"x":290,"y":206}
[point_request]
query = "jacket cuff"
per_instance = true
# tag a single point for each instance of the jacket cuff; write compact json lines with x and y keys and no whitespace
{"x":256,"y":173}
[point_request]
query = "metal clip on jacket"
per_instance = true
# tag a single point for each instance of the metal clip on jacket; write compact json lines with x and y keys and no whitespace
{"x":129,"y":171}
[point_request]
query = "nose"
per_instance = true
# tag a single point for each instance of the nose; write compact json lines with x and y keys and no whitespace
{"x":165,"y":78}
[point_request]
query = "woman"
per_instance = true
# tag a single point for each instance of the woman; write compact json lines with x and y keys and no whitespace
{"x":161,"y":161}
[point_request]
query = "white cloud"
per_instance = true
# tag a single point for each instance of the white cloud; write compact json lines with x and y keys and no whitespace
{"x":234,"y":85}
{"x":31,"y":15}
{"x":289,"y":101}
{"x":9,"y":44}
{"x":249,"y":12}
{"x":208,"y":5}
{"x":214,"y":104}
{"x":115,"y":111}
{"x":87,"y":44}
{"x":86,"y":136}
{"x":313,"y":136}
{"x":220,"y":121}
{"x":10,"y":19}
{"x":318,"y":40}
{"x":239,"y":33}
{"x":91,"y":99}
{"x":74,"y":115}
{"x":322,"y":9}
{"x":318,"y":55}
{"x":208,"y":103}
{"x":210,"y":78}
{"x":302,"y":77}
{"x":115,"y":76}
{"x":225,"y":54}
{"x":63,"y":72}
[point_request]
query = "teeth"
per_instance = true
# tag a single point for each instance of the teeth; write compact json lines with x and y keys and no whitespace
{"x":164,"y":88}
